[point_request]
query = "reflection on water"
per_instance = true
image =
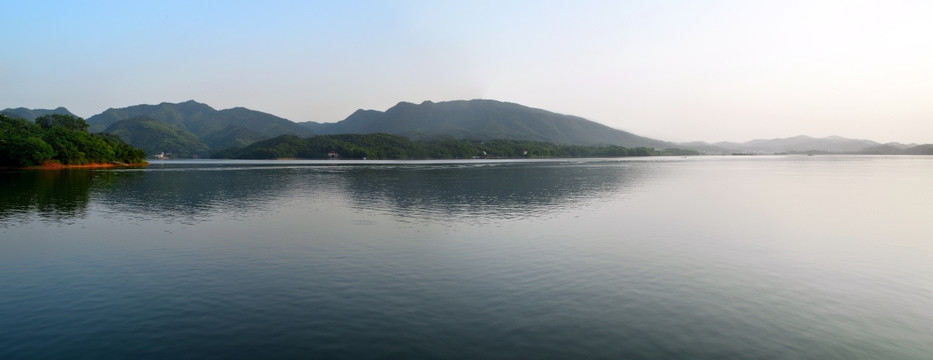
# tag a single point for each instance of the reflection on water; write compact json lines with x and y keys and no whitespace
{"x":57,"y":195}
{"x":191,"y":192}
{"x":663,"y":258}
{"x":482,"y":191}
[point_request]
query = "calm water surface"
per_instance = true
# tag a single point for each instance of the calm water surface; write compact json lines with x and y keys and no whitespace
{"x":702,"y":258}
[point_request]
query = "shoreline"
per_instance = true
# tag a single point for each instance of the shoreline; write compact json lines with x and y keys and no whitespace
{"x":59,"y":166}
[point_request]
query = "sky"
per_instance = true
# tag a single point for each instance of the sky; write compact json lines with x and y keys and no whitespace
{"x":671,"y":70}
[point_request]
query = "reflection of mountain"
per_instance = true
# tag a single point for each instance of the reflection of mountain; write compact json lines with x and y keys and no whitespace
{"x":409,"y":189}
{"x":153,"y":193}
{"x":194,"y":192}
{"x":51,"y":194}
{"x":485,"y":190}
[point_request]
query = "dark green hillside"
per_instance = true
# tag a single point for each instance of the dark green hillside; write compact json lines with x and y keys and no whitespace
{"x":266,"y":125}
{"x":385,"y":146}
{"x":154,"y":137}
{"x":475,"y":119}
{"x":348,"y":146}
{"x":60,"y":138}
{"x":232,"y":137}
{"x":483,"y":119}
{"x":175,"y":114}
{"x":360,"y":122}
{"x":32,"y":114}
{"x":218,"y":129}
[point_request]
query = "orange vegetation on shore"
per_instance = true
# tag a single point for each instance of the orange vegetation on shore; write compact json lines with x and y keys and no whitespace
{"x":54,"y":165}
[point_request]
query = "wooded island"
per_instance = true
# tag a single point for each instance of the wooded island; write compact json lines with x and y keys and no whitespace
{"x":59,"y":140}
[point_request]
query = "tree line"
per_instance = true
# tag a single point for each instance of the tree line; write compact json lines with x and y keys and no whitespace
{"x":385,"y":146}
{"x":63,"y":139}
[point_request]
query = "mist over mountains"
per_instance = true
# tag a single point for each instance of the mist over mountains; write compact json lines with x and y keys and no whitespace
{"x":802,"y":145}
{"x":193,"y":129}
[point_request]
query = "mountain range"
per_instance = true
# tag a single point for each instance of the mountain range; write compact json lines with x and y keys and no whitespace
{"x":32,"y":114}
{"x":801,"y":144}
{"x":482,"y":120}
{"x":193,"y":129}
{"x":218,"y":129}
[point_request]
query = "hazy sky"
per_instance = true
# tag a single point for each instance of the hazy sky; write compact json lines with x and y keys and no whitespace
{"x":674,"y":70}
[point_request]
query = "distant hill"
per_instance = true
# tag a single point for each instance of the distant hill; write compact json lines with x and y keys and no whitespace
{"x":926,"y":149}
{"x":800,"y":144}
{"x":482,"y":120}
{"x":899,"y":149}
{"x":882,"y":150}
{"x":154,"y":137}
{"x":32,"y":114}
{"x":217,"y":128}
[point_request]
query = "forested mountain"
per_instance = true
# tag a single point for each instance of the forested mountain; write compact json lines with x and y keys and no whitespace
{"x":217,"y":128}
{"x":482,"y":120}
{"x":156,"y":137}
{"x":233,"y":137}
{"x":194,"y":129}
{"x":32,"y":114}
{"x":386,"y":146}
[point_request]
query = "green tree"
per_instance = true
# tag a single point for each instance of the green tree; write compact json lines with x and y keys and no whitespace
{"x":69,"y":122}
{"x":63,"y":138}
{"x":20,"y":151}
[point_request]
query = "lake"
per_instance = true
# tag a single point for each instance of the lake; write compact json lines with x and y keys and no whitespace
{"x":743,"y":257}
